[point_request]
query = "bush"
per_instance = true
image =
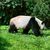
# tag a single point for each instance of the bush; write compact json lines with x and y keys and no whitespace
{"x":12,"y":8}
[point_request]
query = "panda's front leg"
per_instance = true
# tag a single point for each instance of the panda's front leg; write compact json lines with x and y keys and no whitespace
{"x":37,"y":32}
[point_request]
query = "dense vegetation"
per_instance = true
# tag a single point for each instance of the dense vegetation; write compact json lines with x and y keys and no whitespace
{"x":11,"y":8}
{"x":19,"y":41}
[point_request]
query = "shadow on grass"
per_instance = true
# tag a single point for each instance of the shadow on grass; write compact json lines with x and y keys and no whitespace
{"x":46,"y":34}
{"x":4,"y":44}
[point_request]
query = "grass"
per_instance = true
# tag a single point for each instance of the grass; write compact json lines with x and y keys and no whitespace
{"x":19,"y":41}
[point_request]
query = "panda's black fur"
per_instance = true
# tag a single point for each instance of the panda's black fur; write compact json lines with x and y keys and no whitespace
{"x":32,"y":24}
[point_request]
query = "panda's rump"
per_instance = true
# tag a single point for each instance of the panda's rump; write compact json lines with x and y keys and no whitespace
{"x":22,"y":22}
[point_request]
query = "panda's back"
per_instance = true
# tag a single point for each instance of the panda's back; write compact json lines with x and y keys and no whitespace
{"x":20,"y":21}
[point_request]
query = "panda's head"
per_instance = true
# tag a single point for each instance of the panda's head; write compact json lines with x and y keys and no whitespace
{"x":40,"y":23}
{"x":46,"y":21}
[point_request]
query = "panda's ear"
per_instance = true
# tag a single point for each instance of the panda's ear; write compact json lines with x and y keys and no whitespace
{"x":43,"y":22}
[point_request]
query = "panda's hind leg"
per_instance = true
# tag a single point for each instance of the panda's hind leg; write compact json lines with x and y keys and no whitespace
{"x":12,"y":29}
{"x":26,"y":30}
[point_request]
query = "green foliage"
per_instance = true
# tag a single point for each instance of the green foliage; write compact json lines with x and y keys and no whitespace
{"x":11,"y":8}
{"x":38,"y":8}
{"x":19,"y":41}
{"x":8,"y":9}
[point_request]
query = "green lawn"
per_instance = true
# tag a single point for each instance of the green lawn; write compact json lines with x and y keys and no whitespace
{"x":19,"y":41}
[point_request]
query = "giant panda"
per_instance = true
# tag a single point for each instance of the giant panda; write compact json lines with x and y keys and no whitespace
{"x":26,"y":23}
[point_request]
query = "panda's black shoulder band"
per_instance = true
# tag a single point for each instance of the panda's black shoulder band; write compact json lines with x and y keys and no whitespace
{"x":33,"y":18}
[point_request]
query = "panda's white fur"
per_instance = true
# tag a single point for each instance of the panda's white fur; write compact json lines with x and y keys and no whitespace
{"x":23,"y":21}
{"x":20,"y":21}
{"x":42,"y":26}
